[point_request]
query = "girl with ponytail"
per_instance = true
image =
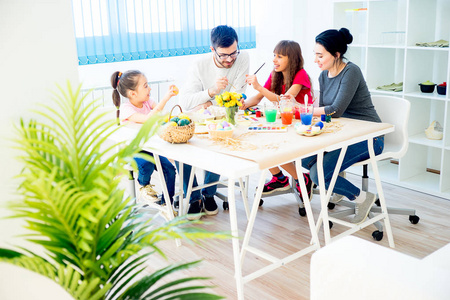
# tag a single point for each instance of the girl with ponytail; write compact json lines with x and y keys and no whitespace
{"x":139,"y":108}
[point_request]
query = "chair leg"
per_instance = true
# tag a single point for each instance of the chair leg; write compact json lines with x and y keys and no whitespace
{"x":365,"y":179}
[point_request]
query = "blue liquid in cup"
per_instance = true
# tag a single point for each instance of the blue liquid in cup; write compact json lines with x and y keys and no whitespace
{"x":306,"y":119}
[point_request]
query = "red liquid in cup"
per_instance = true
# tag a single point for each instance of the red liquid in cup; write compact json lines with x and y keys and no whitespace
{"x":286,"y":117}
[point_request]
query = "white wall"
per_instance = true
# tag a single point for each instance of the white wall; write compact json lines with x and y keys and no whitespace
{"x":37,"y":50}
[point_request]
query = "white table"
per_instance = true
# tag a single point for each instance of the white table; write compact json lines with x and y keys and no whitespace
{"x":201,"y":153}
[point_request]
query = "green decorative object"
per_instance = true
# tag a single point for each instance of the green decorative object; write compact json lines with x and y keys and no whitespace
{"x":95,"y":242}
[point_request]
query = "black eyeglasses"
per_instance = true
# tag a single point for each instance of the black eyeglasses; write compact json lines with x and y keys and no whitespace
{"x":225,"y":56}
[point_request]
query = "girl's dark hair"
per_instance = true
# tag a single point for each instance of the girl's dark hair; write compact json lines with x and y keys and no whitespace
{"x":122,"y":83}
{"x":293,"y":51}
{"x":335,"y":41}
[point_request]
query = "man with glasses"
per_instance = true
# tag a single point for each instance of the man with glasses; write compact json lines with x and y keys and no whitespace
{"x":224,"y":69}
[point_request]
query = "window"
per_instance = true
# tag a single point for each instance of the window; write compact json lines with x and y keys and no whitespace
{"x":121,"y":30}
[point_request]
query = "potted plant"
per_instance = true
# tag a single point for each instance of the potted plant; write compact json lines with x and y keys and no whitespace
{"x":95,"y":242}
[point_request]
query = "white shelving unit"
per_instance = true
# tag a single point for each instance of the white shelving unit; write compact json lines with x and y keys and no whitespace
{"x":384,"y":47}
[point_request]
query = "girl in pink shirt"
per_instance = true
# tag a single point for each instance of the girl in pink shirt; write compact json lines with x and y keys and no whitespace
{"x":139,"y":108}
{"x":287,"y":77}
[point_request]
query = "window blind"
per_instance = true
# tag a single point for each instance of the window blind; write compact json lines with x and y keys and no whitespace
{"x":123,"y":30}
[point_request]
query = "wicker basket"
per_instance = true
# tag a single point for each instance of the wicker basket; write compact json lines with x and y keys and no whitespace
{"x":177,"y":134}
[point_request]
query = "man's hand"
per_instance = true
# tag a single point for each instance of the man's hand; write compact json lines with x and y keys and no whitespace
{"x":203,"y":105}
{"x":221,"y":83}
{"x":207,"y":104}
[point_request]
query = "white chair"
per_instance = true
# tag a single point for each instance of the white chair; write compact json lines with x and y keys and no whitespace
{"x":393,"y":110}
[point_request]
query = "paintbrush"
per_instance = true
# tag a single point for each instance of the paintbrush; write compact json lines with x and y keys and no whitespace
{"x":255,"y":73}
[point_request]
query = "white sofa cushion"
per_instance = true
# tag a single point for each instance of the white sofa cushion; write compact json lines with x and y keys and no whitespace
{"x":353,"y":268}
{"x":440,"y":258}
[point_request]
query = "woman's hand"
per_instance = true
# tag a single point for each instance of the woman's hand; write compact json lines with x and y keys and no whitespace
{"x":253,"y":80}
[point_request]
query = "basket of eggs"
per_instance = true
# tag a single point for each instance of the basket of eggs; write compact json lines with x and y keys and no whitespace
{"x":177,"y":129}
{"x":220,"y":130}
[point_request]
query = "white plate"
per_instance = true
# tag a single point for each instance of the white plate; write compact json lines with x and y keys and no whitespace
{"x":300,"y":129}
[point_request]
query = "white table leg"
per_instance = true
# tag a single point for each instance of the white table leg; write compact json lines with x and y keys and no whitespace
{"x":235,"y":239}
{"x":244,"y":193}
{"x":252,"y":217}
{"x":189,"y":190}
{"x":164,"y":187}
{"x":180,"y":188}
{"x":324,"y":194}
{"x":306,"y":203}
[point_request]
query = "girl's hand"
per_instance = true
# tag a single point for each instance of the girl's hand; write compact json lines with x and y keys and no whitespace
{"x":173,"y":91}
{"x":243,"y":106}
{"x":287,"y":97}
{"x":253,"y":80}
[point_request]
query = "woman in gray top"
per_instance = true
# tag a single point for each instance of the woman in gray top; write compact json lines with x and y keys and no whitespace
{"x":343,"y":93}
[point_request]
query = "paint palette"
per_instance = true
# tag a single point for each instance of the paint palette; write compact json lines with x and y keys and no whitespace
{"x":267,"y":128}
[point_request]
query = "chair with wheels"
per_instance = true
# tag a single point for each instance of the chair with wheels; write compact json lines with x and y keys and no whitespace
{"x":393,"y":110}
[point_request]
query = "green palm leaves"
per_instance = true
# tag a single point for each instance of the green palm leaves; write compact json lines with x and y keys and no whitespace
{"x":96,"y":244}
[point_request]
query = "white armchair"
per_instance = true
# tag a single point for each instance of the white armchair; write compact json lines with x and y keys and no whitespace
{"x":353,"y":268}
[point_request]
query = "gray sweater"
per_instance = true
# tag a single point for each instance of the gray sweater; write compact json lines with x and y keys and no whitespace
{"x":347,"y":95}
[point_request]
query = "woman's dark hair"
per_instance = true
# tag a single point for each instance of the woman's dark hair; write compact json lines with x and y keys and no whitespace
{"x":335,"y":41}
{"x":223,"y":36}
{"x":293,"y":51}
{"x":122,"y":83}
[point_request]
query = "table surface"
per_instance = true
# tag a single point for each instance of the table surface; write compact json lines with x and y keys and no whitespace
{"x":262,"y":150}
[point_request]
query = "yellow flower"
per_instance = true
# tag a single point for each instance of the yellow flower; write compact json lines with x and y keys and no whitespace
{"x":229,"y":99}
{"x":219,"y":100}
{"x":226,"y":96}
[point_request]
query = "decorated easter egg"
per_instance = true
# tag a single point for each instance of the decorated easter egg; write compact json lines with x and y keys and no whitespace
{"x":212,"y":126}
{"x":183,"y":122}
{"x":184,"y":116}
{"x":175,"y":119}
{"x":244,"y":96}
{"x":225,"y":124}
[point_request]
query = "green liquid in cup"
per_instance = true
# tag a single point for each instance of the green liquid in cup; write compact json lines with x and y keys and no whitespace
{"x":271,"y":115}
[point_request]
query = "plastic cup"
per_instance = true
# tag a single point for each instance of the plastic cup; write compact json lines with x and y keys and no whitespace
{"x":287,"y":112}
{"x":306,"y":114}
{"x":270,"y":111}
{"x":271,"y":115}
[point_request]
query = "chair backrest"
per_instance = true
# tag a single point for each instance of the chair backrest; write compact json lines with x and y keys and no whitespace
{"x":395,"y":111}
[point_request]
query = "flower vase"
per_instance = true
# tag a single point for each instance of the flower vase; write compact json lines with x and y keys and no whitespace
{"x":230,"y":113}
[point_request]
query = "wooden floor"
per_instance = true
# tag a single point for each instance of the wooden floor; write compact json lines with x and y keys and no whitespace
{"x":280,"y":230}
